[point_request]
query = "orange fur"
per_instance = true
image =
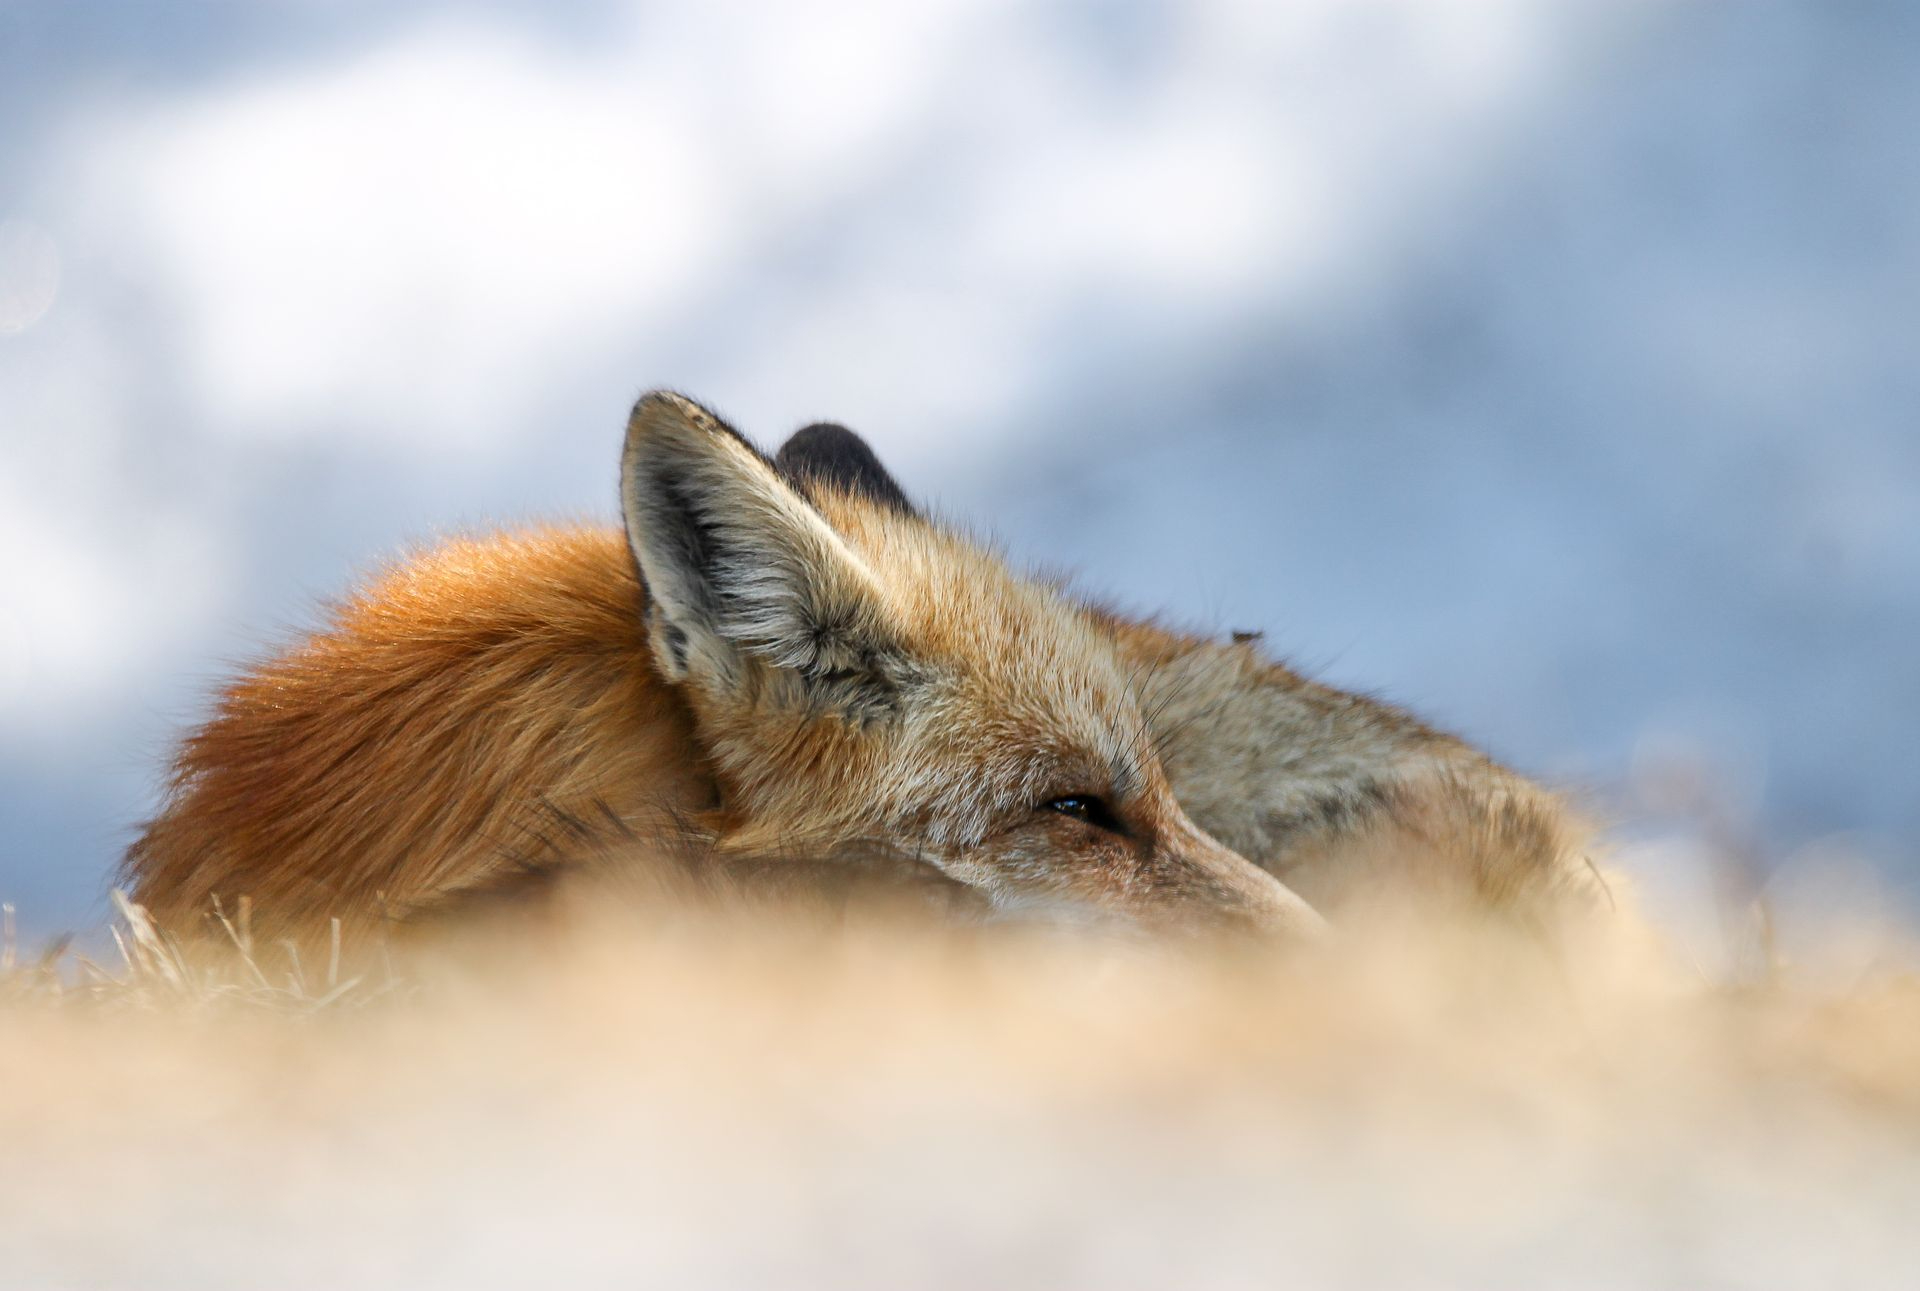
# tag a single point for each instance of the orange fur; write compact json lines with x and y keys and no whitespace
{"x":405,"y":752}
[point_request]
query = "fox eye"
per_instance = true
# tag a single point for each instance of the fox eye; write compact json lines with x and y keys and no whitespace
{"x":1086,"y":807}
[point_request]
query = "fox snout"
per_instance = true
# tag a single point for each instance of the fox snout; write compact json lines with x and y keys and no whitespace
{"x":1204,"y":886}
{"x":1143,"y":863}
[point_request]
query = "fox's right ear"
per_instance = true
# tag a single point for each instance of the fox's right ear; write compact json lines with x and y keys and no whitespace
{"x":742,"y":573}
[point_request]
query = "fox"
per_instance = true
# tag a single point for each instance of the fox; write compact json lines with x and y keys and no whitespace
{"x":786,"y":659}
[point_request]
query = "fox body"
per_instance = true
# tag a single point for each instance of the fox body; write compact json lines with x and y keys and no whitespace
{"x":1347,"y":799}
{"x":783,"y":658}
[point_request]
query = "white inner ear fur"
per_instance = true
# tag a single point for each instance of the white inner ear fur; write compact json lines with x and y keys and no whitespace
{"x":735,"y":562}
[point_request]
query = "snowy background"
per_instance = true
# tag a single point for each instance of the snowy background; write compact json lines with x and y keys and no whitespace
{"x":1549,"y":367}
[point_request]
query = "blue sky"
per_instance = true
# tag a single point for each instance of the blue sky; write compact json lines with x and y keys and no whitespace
{"x":1545,"y":366}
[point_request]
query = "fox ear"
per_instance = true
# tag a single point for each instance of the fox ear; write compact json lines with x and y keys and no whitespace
{"x":829,"y":454}
{"x":742,"y":573}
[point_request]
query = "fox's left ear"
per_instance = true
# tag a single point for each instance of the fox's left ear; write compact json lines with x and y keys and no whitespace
{"x":743,"y":574}
{"x":829,"y":454}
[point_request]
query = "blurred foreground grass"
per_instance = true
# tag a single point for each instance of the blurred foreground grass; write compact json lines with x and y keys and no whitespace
{"x":748,"y":1101}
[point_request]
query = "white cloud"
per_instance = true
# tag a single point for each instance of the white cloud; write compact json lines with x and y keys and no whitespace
{"x":29,"y":275}
{"x":408,"y":240}
{"x":100,"y":577}
{"x":390,"y":240}
{"x":82,"y":611}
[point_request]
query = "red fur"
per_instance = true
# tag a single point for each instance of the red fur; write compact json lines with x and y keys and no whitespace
{"x":402,"y":754}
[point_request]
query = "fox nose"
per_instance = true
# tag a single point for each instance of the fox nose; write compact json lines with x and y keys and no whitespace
{"x":1227,"y":890}
{"x":1266,"y":908}
{"x":1277,"y":910}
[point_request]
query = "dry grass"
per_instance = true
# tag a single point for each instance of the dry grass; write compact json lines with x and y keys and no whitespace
{"x":748,"y":1101}
{"x":157,"y":972}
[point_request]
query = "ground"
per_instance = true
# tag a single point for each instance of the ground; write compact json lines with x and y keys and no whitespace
{"x":745,"y":1101}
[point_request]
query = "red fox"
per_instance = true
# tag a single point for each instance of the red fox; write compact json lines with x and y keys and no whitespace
{"x":784,"y":656}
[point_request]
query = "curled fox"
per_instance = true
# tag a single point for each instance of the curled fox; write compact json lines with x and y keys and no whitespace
{"x":784,"y":656}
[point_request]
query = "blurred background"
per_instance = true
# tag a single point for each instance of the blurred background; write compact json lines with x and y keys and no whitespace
{"x":1545,"y":366}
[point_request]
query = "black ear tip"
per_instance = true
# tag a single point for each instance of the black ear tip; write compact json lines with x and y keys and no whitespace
{"x":827,"y":452}
{"x":824,"y":440}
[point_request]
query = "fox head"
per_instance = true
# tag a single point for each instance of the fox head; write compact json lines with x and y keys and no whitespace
{"x":861,"y":677}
